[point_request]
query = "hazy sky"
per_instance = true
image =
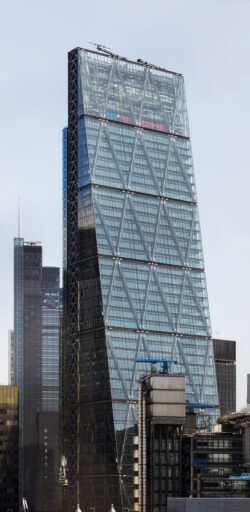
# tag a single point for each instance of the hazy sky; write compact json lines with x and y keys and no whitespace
{"x":206,"y":40}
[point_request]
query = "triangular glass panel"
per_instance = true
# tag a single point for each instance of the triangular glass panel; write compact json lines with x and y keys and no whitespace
{"x":167,"y":249}
{"x":132,"y":243}
{"x":193,"y":382}
{"x":147,"y":214}
{"x":117,"y":302}
{"x":118,"y":106}
{"x":125,"y":423}
{"x":152,"y":110}
{"x":158,"y":315}
{"x":194,"y":314}
{"x":142,"y":177}
{"x":195,"y":253}
{"x":108,"y":219}
{"x":105,"y":164}
{"x":136,"y":279}
{"x":123,"y":141}
{"x":180,"y":119}
{"x":84,"y":155}
{"x":88,"y":77}
{"x":157,"y":146}
{"x":185,"y":225}
{"x":170,"y":281}
{"x":179,"y":172}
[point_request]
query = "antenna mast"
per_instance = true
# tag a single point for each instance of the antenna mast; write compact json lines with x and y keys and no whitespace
{"x":19,"y":217}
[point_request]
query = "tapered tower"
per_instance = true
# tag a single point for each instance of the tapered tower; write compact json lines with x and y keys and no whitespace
{"x":135,"y":280}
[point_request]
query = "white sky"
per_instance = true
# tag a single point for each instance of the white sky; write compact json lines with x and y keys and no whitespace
{"x":206,"y":40}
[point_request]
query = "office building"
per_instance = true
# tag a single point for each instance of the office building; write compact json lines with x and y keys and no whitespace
{"x":27,"y":358}
{"x":11,"y":353}
{"x":9,"y":449}
{"x":136,"y":285}
{"x":157,"y":458}
{"x":225,"y":365}
{"x":49,"y":415}
{"x":248,"y":389}
{"x":36,"y":346}
{"x":217,"y":464}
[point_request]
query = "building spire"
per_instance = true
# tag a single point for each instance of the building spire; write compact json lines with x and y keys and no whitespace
{"x":19,"y":217}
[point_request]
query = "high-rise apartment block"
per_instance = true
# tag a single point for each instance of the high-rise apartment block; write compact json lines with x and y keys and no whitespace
{"x":9,"y":449}
{"x":225,"y":365}
{"x":37,"y":313}
{"x":136,"y":284}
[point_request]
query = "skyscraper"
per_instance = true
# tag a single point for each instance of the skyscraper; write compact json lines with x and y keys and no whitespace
{"x":27,"y":357}
{"x":11,"y":355}
{"x":225,"y":366}
{"x":136,"y":284}
{"x":49,"y":415}
{"x":36,"y":345}
{"x":248,"y":389}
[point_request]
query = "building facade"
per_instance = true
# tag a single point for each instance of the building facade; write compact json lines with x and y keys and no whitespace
{"x":217,"y":464}
{"x":49,"y":415}
{"x":208,"y":460}
{"x":136,"y":284}
{"x":248,"y":389}
{"x":27,"y":359}
{"x":37,"y":310}
{"x":225,"y":365}
{"x":9,"y":449}
{"x":11,"y":355}
{"x":157,"y":458}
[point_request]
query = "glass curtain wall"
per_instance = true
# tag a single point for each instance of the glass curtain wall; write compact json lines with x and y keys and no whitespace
{"x":140,"y":269}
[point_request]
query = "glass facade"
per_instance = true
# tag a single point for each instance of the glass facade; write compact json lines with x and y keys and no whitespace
{"x":208,"y":460}
{"x":136,"y":285}
{"x":35,"y":358}
{"x":51,"y":314}
{"x":11,"y":357}
{"x":225,"y":366}
{"x":49,"y":415}
{"x":27,"y":358}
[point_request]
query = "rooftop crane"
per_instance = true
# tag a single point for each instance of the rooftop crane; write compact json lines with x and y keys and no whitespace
{"x":192,"y":406}
{"x":165,"y":362}
{"x":107,"y":50}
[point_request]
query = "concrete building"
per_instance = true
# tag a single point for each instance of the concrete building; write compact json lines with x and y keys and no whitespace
{"x":158,"y":461}
{"x":173,"y":458}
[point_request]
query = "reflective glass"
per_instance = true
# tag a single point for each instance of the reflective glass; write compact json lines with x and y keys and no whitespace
{"x":141,"y":279}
